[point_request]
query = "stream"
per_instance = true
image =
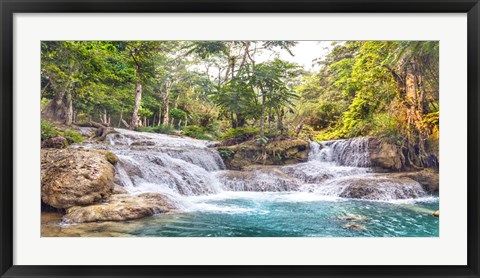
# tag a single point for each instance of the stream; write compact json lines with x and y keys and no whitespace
{"x":316,"y":198}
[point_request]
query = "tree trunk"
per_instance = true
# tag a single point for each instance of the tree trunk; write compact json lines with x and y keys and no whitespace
{"x":279,"y":120}
{"x":165,"y":104}
{"x":56,"y":109}
{"x":69,"y":110}
{"x":138,"y":99}
{"x":262,"y":117}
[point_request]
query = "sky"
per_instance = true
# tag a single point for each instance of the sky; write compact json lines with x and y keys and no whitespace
{"x":304,"y":53}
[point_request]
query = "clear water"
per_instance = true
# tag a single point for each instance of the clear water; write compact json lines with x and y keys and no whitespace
{"x":257,"y":214}
{"x":299,"y":200}
{"x":262,"y":214}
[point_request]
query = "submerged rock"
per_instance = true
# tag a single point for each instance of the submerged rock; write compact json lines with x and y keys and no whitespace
{"x":73,"y":177}
{"x":355,"y":227}
{"x":120,"y":207}
{"x":436,"y":213}
{"x":353,"y":218}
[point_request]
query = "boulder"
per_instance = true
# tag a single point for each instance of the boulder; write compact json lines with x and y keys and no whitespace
{"x":276,"y":152}
{"x":119,"y":208}
{"x":74,"y":177}
{"x":380,"y":187}
{"x":385,"y":155}
{"x":118,"y":189}
{"x":58,"y":142}
{"x":428,"y":178}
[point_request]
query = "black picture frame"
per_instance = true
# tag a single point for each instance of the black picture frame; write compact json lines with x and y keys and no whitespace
{"x":9,"y":7}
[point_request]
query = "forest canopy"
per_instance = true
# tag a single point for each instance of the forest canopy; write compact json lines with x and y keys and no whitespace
{"x":218,"y":90}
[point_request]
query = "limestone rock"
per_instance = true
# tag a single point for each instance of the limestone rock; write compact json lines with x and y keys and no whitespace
{"x":120,"y":207}
{"x":74,"y":177}
{"x":277,"y":152}
{"x":428,"y":178}
{"x":385,"y":155}
{"x":58,"y":142}
{"x":380,"y":187}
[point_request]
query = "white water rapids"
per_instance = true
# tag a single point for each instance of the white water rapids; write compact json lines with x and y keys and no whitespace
{"x":187,"y":170}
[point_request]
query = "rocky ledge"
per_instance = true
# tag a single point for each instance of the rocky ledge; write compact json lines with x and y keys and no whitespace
{"x":276,"y":152}
{"x":119,"y":208}
{"x":80,"y":182}
{"x":73,"y":177}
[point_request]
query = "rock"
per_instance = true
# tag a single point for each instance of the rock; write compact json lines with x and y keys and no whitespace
{"x":355,"y":227}
{"x":380,"y":187}
{"x":261,"y":179}
{"x":117,"y":189}
{"x":74,"y":177}
{"x":428,"y":178}
{"x":119,"y":208}
{"x":143,"y":143}
{"x":385,"y":155}
{"x":57,"y":142}
{"x":276,"y":152}
{"x":111,"y":157}
{"x":353,"y":218}
{"x":436,"y":213}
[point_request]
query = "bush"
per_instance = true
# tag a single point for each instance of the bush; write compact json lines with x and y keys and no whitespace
{"x":72,"y":136}
{"x":164,"y":129}
{"x":196,"y":132}
{"x":48,"y":130}
{"x":243,"y":133}
{"x":225,"y":153}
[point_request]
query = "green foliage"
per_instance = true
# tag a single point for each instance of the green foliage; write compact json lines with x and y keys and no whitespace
{"x":177,"y":113}
{"x":164,"y":129}
{"x":48,"y":130}
{"x":196,"y":132}
{"x":225,"y":153}
{"x":243,"y":133}
{"x":72,"y":136}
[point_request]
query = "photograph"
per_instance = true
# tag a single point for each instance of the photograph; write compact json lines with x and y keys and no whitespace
{"x":246,"y":138}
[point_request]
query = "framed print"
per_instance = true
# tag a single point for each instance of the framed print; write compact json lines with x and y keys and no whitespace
{"x":240,"y":138}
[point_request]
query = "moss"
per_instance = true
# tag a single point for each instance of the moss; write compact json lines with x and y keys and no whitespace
{"x":72,"y":136}
{"x":111,"y":157}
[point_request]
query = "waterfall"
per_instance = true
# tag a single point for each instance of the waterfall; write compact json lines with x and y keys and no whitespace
{"x":182,"y":167}
{"x":351,"y":152}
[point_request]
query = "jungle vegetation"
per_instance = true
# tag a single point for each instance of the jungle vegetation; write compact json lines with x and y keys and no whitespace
{"x":220,"y":90}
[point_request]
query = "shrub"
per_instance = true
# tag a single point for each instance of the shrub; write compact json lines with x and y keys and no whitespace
{"x":226,"y":153}
{"x":243,"y":133}
{"x":48,"y":130}
{"x":164,"y":129}
{"x":196,"y":132}
{"x":72,"y":136}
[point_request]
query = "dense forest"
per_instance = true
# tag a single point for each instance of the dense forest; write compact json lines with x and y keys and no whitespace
{"x":222,"y":90}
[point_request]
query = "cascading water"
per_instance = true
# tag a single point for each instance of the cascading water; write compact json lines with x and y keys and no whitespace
{"x":352,"y":152}
{"x":187,"y":167}
{"x":292,"y":200}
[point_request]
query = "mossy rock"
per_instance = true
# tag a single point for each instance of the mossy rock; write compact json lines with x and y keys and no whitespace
{"x":111,"y":157}
{"x":276,"y":152}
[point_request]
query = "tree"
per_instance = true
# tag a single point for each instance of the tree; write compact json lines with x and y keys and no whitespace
{"x":269,"y":81}
{"x":142,"y":54}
